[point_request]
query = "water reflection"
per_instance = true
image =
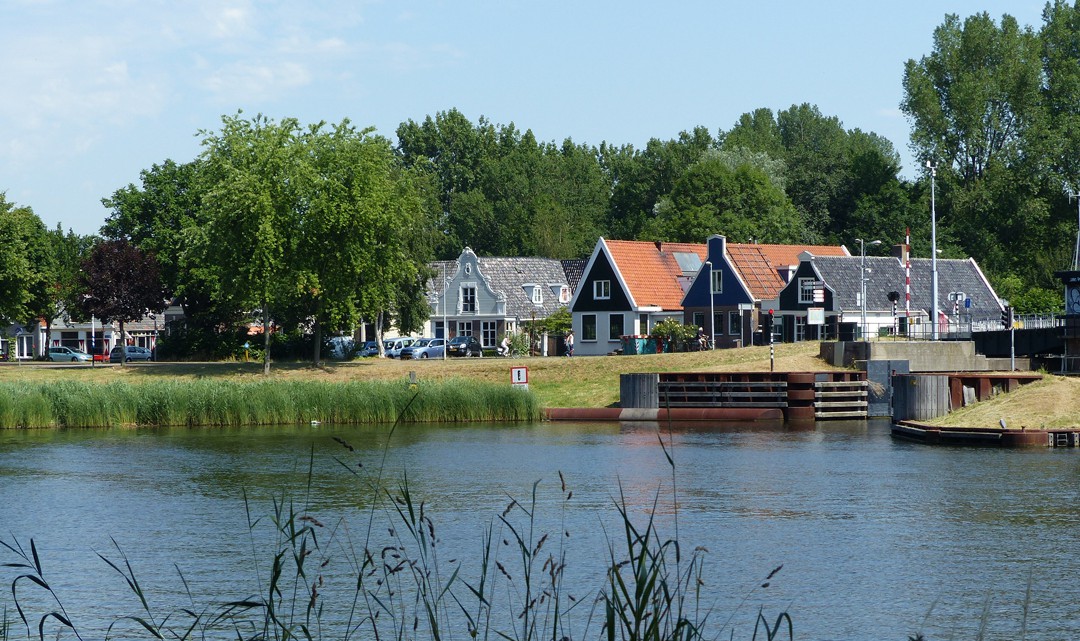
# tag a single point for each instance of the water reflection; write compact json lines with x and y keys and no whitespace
{"x":872,"y":532}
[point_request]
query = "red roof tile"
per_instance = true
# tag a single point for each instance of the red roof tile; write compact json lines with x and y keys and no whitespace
{"x":651,"y":272}
{"x":760,"y":265}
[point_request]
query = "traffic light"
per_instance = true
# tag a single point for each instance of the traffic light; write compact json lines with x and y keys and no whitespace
{"x":770,"y":326}
{"x":1007,"y":316}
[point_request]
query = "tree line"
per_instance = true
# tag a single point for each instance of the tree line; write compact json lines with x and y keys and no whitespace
{"x":313,"y":226}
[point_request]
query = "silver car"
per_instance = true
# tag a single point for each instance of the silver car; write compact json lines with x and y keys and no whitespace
{"x":68,"y":354}
{"x":134,"y":353}
{"x":425,"y":348}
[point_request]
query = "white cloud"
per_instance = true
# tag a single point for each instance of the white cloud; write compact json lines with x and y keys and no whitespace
{"x":243,"y":82}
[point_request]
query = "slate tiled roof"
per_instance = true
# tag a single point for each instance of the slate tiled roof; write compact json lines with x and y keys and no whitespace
{"x":760,"y":265}
{"x":507,"y":276}
{"x":886,"y":274}
{"x":651,"y":271}
{"x":574,"y":270}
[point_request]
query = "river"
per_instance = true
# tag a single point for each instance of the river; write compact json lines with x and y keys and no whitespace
{"x":877,"y":538}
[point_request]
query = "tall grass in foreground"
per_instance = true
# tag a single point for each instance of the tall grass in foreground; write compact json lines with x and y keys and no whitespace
{"x":229,"y":403}
{"x":388,"y":581}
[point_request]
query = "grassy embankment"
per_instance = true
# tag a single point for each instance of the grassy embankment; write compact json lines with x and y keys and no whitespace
{"x":568,"y":382}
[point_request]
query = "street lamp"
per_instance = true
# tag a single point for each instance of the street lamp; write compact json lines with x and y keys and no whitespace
{"x":712,"y":310}
{"x":862,"y":281}
{"x":933,"y":248}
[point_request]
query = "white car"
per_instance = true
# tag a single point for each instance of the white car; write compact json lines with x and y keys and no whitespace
{"x":392,"y":346}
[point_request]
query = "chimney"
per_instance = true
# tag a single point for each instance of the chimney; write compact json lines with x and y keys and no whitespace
{"x":901,"y":251}
{"x":659,"y":246}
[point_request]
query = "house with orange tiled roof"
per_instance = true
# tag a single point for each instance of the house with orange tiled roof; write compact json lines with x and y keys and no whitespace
{"x":629,"y":286}
{"x":737,"y":282}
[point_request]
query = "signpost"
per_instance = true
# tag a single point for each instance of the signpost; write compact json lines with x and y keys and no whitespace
{"x":519,"y":378}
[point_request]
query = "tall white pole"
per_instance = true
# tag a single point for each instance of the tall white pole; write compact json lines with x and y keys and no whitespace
{"x":1076,"y":252}
{"x":933,"y":249}
{"x":862,"y":287}
{"x":712,"y":310}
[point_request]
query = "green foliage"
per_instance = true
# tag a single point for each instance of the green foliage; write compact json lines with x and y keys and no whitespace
{"x":679,"y":337}
{"x":220,"y":403}
{"x":712,"y":197}
{"x":27,"y":266}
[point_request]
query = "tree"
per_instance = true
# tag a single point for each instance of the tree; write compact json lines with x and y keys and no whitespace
{"x":714,"y":198}
{"x":975,"y":99}
{"x":121,"y":283}
{"x":255,"y":175}
{"x":27,"y":266}
{"x":160,"y":216}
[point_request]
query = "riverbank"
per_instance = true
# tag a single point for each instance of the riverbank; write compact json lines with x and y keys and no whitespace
{"x":557,"y":382}
{"x":582,"y":382}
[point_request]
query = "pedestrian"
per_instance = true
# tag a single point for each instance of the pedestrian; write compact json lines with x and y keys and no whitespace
{"x":570,"y":343}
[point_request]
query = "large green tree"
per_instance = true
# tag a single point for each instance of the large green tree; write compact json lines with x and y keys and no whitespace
{"x":715,"y":197}
{"x":27,"y":266}
{"x":987,"y":107}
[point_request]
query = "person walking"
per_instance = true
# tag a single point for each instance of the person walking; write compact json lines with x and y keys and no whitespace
{"x":570,"y":343}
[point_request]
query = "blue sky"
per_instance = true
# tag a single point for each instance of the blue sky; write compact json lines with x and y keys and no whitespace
{"x":95,"y":91}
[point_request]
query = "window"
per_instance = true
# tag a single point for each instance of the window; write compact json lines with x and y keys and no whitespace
{"x":615,"y":327}
{"x":699,"y":319}
{"x":601,"y":289}
{"x":717,"y":282}
{"x":806,"y":291}
{"x":464,"y":328}
{"x":718,"y":324}
{"x":488,"y":330}
{"x":537,"y":295}
{"x":468,"y":299}
{"x":588,"y":327}
{"x":564,"y":294}
{"x":734,"y":323}
{"x":438,"y":329}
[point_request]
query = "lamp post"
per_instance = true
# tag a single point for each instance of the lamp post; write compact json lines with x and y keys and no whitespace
{"x":933,"y":249}
{"x":862,"y":281}
{"x":712,"y":310}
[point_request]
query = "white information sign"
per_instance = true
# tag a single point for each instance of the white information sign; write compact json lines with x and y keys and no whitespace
{"x":815,"y":316}
{"x":519,"y":377}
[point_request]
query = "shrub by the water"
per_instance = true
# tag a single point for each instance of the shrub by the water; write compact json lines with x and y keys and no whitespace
{"x":229,"y":403}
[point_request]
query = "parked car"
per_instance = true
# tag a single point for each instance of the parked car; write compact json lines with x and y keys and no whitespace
{"x":370,"y":348}
{"x":68,"y":354}
{"x":465,"y":346}
{"x":392,"y":346}
{"x":425,"y":348}
{"x":341,"y":347}
{"x":134,"y":353}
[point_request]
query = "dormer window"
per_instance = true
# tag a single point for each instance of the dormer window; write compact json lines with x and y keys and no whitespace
{"x":564,"y":294}
{"x":537,"y":295}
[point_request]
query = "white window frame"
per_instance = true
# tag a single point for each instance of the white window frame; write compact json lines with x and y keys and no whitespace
{"x":537,"y":295}
{"x":601,"y":290}
{"x":806,"y":291}
{"x":717,"y":281}
{"x":734,"y":323}
{"x":564,"y":294}
{"x":464,"y":295}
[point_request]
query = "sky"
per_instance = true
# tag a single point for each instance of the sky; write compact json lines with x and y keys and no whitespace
{"x":96,"y":91}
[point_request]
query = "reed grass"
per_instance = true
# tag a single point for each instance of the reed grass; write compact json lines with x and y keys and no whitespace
{"x":218,"y":403}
